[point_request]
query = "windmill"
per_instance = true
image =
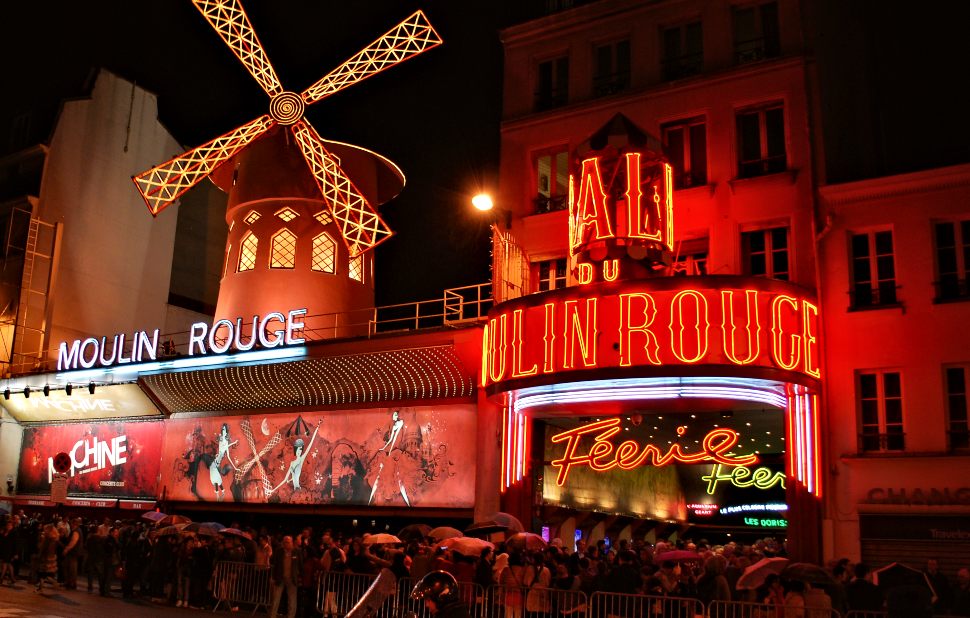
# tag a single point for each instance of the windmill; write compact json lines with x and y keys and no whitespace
{"x":343,"y":204}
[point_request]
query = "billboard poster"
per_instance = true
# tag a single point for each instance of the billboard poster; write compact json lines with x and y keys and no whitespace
{"x":110,"y":459}
{"x":401,"y":457}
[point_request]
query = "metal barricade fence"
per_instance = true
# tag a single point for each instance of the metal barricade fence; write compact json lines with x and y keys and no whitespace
{"x":519,"y":602}
{"x":241,"y":582}
{"x":338,"y":592}
{"x":618,"y":605}
{"x":747,"y":609}
{"x":469,"y":593}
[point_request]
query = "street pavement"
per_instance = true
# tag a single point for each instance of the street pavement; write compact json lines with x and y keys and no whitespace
{"x":21,"y":601}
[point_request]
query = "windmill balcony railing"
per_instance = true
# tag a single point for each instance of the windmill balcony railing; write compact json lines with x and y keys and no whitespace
{"x":457,"y":306}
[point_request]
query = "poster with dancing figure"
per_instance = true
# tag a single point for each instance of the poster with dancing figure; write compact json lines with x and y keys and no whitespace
{"x":401,"y":457}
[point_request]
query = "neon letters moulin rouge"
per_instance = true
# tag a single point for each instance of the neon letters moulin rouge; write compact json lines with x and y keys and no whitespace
{"x":714,"y":321}
{"x":602,"y":455}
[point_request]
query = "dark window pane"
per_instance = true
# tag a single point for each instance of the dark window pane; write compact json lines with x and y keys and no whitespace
{"x":698,"y":154}
{"x":694,"y":40}
{"x":860,"y":245}
{"x":947,"y":260}
{"x":894,"y":411}
{"x":884,"y":268}
{"x":891,"y":384}
{"x":775,"y":127}
{"x":867,"y":386}
{"x":887,"y":292}
{"x":758,"y":264}
{"x":779,"y":238}
{"x":870,"y":412}
{"x":623,"y":58}
{"x":870,"y":442}
{"x":770,"y":30}
{"x":955,"y":381}
{"x":884,"y":243}
{"x":894,"y":440}
{"x":750,"y":135}
{"x":945,"y":235}
{"x":674,"y":148}
{"x":562,"y":173}
{"x":756,"y":242}
{"x":779,"y":263}
{"x":860,"y":272}
{"x":604,"y":61}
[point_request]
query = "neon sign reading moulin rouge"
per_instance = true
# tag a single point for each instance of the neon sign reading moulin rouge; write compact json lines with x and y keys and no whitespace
{"x":639,"y":324}
{"x":270,"y":331}
{"x":603,"y":455}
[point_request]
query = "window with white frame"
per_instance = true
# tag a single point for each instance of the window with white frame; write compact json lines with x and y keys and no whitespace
{"x":765,"y":253}
{"x":873,"y":270}
{"x":685,"y":144}
{"x":612,"y":68}
{"x":552,"y":83}
{"x":247,"y":252}
{"x":880,"y":401}
{"x":761,"y":140}
{"x":952,"y":239}
{"x":552,"y":274}
{"x":958,"y":432}
{"x":552,"y":180}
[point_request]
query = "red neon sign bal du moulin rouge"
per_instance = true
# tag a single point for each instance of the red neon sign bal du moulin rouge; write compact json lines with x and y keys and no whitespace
{"x":692,"y":321}
{"x":603,"y":455}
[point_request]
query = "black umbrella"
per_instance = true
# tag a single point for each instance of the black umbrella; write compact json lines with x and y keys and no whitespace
{"x":485,"y":527}
{"x":414,"y":532}
{"x":808,"y":572}
{"x":896,"y":575}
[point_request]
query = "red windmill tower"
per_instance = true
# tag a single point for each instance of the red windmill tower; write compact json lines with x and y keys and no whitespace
{"x":290,"y":191}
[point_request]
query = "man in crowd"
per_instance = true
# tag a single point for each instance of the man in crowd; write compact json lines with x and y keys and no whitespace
{"x":286,"y":567}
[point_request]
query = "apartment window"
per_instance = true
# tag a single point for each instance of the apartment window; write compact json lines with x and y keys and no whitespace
{"x":552,"y":84}
{"x":765,"y":253}
{"x":612,"y":72}
{"x":552,"y":274}
{"x":756,"y":33}
{"x":283,"y":254}
{"x":880,"y":412}
{"x":552,"y":178}
{"x":683,"y":51}
{"x":356,"y":268}
{"x":323,"y":257}
{"x":952,"y":259}
{"x":690,"y":258}
{"x":247,"y":252}
{"x":761,"y":140}
{"x":958,"y":431}
{"x":685,"y":144}
{"x":873,"y":270}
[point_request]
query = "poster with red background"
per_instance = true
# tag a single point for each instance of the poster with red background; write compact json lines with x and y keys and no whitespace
{"x":420,"y":457}
{"x":112,"y":459}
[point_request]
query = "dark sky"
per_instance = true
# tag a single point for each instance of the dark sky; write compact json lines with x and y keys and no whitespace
{"x":435,"y":115}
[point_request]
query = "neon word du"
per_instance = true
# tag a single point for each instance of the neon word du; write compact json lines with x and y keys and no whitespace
{"x":602,"y":455}
{"x":93,"y":454}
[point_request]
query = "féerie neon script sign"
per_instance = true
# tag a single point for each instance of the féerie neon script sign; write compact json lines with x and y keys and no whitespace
{"x":603,"y":455}
{"x":272,"y":330}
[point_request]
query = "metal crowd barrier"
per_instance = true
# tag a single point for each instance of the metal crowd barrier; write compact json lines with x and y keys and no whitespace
{"x":747,"y":609}
{"x":862,"y":613}
{"x":470,"y":593}
{"x":338,"y":592}
{"x":241,"y":582}
{"x":618,"y":605}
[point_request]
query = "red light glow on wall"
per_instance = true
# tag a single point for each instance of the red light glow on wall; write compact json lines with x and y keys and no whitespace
{"x":714,"y":321}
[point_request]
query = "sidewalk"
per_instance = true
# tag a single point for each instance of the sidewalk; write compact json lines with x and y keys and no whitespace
{"x":21,"y":601}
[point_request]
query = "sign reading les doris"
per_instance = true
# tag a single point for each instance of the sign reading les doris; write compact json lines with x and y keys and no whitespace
{"x":402,"y":457}
{"x":119,"y":460}
{"x":642,"y":323}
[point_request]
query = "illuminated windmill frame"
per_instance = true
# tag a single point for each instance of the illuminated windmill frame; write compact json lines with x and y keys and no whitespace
{"x":362,"y":228}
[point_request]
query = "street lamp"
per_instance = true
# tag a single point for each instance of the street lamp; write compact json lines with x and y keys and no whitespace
{"x":484,"y":203}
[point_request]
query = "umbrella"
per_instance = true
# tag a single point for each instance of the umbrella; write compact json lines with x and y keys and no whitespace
{"x":209,"y":528}
{"x":526,"y":540}
{"x":808,"y":572}
{"x":173,"y":530}
{"x":485,"y":527}
{"x":236,"y":532}
{"x":755,"y":574}
{"x":467,"y":545}
{"x":381,"y":538}
{"x":153,"y":516}
{"x":171,"y":520}
{"x":444,"y":532}
{"x":511,"y":522}
{"x":677,"y":555}
{"x":896,"y":575}
{"x":414,"y":532}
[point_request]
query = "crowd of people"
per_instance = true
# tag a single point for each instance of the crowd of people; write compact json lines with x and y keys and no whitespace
{"x":178,"y":569}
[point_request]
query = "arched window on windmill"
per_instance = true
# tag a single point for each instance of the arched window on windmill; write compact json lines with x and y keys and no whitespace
{"x":324,"y":255}
{"x":247,"y":252}
{"x":283,"y":254}
{"x":355,"y":270}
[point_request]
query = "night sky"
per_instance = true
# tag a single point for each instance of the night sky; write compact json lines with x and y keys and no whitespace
{"x":435,"y":115}
{"x":892,"y":94}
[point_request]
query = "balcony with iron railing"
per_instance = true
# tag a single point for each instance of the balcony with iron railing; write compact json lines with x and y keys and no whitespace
{"x":550,"y":203}
{"x":756,"y":49}
{"x":678,"y":67}
{"x":893,"y":441}
{"x":882,"y":296}
{"x":951,"y":289}
{"x":605,"y":85}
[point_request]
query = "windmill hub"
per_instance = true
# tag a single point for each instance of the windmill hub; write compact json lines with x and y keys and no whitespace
{"x":286,"y":108}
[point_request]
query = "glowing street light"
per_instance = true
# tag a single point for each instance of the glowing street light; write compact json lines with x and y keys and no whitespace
{"x":483,"y":202}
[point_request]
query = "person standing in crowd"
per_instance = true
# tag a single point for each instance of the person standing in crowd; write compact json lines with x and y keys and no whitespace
{"x":47,"y":549}
{"x":287,"y":565}
{"x":94,"y":561}
{"x":110,"y":552}
{"x":861,"y":594}
{"x":183,"y":568}
{"x":438,"y":591}
{"x":8,"y":552}
{"x":940,"y":584}
{"x":72,"y":554}
{"x":960,"y":604}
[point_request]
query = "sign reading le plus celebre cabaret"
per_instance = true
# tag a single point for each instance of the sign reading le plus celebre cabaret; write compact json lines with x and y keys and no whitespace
{"x":118,"y":460}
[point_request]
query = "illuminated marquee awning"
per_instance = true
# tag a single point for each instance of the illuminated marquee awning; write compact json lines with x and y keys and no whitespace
{"x":412,"y":374}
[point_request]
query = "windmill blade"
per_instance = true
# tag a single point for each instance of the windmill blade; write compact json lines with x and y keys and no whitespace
{"x":406,"y":40}
{"x":361,"y":226}
{"x":163,"y":184}
{"x":229,"y":20}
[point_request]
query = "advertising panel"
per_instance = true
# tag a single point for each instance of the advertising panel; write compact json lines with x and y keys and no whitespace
{"x":108,"y":401}
{"x":402,"y":457}
{"x":117,"y":460}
